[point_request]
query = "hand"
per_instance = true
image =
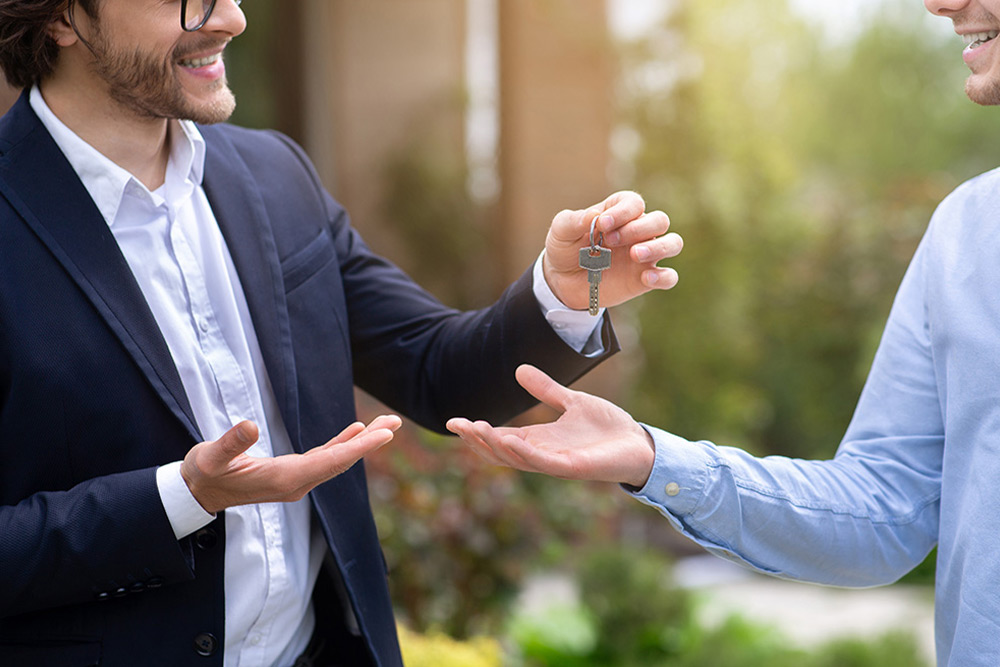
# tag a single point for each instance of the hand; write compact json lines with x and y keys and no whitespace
{"x":638,"y":240}
{"x":593,"y":439}
{"x":220,"y":475}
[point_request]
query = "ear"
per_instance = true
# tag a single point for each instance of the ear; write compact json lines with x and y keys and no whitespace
{"x":61,"y":29}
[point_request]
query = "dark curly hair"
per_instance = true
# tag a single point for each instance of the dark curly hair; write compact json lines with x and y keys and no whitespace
{"x":27,"y":52}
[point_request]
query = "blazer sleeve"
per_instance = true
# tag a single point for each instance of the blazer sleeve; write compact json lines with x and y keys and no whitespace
{"x":102,"y":538}
{"x":432,"y":362}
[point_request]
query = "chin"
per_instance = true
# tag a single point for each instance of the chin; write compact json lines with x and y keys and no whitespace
{"x":986,"y":93}
{"x":218,"y":110}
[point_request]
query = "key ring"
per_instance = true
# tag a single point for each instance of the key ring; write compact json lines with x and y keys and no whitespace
{"x":594,"y":250}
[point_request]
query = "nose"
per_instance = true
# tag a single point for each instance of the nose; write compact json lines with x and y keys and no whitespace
{"x":945,"y":7}
{"x":227,"y":18}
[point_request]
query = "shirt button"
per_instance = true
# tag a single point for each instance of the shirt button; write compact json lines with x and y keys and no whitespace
{"x":672,"y":489}
{"x":254,"y":640}
{"x":203,"y":324}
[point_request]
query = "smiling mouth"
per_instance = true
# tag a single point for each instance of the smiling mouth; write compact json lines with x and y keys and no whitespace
{"x":976,"y":39}
{"x":195,"y":63}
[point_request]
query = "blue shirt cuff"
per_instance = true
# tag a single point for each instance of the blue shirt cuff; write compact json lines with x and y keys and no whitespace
{"x":679,"y":476}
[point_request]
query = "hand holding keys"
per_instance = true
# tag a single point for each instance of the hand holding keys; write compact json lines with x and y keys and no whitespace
{"x":595,"y":259}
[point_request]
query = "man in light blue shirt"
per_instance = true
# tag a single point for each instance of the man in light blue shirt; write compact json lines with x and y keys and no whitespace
{"x":920,"y":462}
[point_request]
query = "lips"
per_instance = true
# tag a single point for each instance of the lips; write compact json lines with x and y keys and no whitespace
{"x":195,"y":63}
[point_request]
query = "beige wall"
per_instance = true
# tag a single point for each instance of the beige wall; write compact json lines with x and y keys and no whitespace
{"x":556,"y":114}
{"x":379,"y":73}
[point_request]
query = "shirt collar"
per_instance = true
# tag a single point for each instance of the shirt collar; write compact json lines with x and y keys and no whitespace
{"x":107,"y":182}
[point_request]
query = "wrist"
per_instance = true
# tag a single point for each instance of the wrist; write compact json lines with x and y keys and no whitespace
{"x":645,"y":459}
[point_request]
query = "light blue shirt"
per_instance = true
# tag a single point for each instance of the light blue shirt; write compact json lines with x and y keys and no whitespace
{"x":918,"y":466}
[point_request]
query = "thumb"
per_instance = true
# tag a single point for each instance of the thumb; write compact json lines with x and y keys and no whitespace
{"x":542,"y":387}
{"x":231,"y":444}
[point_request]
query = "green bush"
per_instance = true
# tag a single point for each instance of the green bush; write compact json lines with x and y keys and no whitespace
{"x":632,"y":615}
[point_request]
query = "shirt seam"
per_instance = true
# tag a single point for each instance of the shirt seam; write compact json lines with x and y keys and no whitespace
{"x":874,"y":518}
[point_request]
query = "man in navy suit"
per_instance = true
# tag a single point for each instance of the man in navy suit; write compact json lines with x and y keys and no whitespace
{"x":184,"y":313}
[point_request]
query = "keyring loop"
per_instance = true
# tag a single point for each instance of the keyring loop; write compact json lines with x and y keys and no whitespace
{"x":593,"y":227}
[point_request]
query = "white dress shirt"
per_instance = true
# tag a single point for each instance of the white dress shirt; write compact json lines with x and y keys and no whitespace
{"x":172,"y":242}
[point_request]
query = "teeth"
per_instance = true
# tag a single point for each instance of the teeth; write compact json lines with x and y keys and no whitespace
{"x":977,"y":38}
{"x":200,"y":62}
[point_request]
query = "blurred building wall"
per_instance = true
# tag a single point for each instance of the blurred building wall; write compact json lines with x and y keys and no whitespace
{"x":555,"y":115}
{"x":381,"y":73}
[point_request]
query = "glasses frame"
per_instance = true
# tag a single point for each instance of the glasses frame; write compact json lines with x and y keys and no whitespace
{"x":204,"y":19}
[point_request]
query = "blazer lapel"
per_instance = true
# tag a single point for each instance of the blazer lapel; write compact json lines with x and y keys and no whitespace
{"x":52,"y":200}
{"x":242,"y":217}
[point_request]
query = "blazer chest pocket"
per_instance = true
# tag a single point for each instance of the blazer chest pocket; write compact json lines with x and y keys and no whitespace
{"x":298,"y":267}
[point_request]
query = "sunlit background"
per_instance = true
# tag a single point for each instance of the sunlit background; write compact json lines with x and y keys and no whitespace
{"x":799,"y":146}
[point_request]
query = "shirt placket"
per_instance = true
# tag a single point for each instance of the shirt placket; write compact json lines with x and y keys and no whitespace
{"x":236,"y":391}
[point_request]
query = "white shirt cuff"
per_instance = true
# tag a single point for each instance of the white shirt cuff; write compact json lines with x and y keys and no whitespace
{"x":186,"y":514}
{"x":578,"y":328}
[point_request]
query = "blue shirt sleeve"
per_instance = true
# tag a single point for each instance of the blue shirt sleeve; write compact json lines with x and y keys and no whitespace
{"x":863,"y":518}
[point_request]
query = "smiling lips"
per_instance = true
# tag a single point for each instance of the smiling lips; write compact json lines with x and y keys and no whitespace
{"x":195,"y":63}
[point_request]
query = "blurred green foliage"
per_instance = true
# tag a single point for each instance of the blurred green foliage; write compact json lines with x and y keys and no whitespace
{"x":801,"y":174}
{"x":459,"y":537}
{"x":631,"y":614}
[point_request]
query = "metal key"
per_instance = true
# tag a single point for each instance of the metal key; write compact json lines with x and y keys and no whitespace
{"x":594,"y":259}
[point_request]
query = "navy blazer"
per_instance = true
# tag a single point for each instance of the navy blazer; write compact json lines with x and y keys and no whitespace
{"x":91,"y":403}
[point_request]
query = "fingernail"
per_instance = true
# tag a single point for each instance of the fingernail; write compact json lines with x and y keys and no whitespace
{"x":242,"y":432}
{"x":652,"y":277}
{"x":642,"y":253}
{"x":613,"y":238}
{"x":605,"y":222}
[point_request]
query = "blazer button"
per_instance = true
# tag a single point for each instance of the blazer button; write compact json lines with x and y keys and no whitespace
{"x":206,"y":538}
{"x":205,"y":644}
{"x":120,"y":592}
{"x":154,"y":582}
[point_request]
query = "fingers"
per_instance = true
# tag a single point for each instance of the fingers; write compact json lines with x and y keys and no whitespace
{"x":569,"y":227}
{"x":542,"y":387}
{"x":510,"y":448}
{"x":218,"y":454}
{"x":337,"y":459}
{"x":492,"y":444}
{"x":391,"y":422}
{"x":467,"y":431}
{"x":652,"y":251}
{"x":659,"y":278}
{"x":620,"y":208}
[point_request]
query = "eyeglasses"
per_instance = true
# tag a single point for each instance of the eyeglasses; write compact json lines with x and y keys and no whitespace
{"x":195,"y":13}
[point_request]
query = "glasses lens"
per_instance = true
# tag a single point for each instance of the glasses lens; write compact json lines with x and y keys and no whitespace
{"x":194,"y":13}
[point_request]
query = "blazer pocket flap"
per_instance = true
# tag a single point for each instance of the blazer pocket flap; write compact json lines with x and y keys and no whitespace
{"x":302,"y":264}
